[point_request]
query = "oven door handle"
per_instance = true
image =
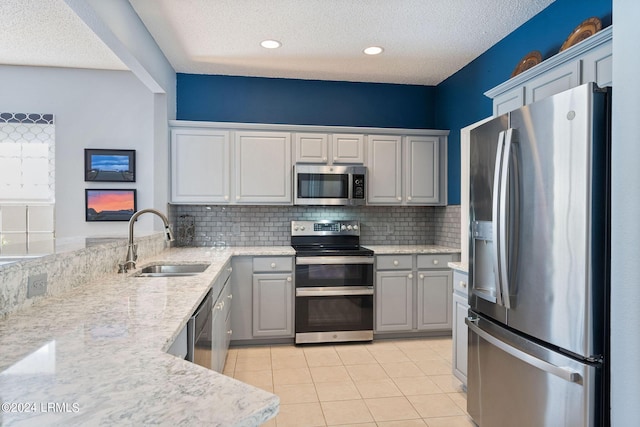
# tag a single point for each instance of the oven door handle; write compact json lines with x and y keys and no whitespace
{"x":319,"y":260}
{"x":334,"y":291}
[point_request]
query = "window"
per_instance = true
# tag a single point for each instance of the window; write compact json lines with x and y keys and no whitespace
{"x":27,"y":184}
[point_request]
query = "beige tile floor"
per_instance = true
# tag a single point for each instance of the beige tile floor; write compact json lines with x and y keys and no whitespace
{"x":398,"y":383}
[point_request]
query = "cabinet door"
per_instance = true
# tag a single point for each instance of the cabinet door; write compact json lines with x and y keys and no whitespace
{"x":272,"y":305}
{"x":509,"y":101}
{"x":241,"y":304}
{"x":555,"y":81}
{"x":263,"y":167}
{"x":394,"y":301}
{"x":218,"y":338}
{"x":311,"y":147}
{"x":434,"y":300}
{"x":347,"y":148}
{"x":597,"y":66}
{"x":460,"y":334}
{"x":200,"y":166}
{"x":422,"y":170}
{"x":384,"y":163}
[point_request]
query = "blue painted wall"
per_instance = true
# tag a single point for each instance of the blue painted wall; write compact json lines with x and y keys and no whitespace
{"x":453,"y":104}
{"x":304,"y":102}
{"x":460,"y":98}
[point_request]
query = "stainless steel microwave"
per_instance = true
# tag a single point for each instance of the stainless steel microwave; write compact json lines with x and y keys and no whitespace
{"x":330,"y":185}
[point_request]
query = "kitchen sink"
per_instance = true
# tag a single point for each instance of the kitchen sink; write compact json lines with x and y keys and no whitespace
{"x":171,"y":270}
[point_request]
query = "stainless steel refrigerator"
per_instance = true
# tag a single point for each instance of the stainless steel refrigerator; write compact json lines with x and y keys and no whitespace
{"x":539,"y":264}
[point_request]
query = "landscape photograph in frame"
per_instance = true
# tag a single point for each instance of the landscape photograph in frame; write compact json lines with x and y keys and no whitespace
{"x":109,"y":165}
{"x":110,"y":204}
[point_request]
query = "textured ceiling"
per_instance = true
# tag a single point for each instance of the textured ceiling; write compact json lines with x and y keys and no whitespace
{"x":425,"y":41}
{"x":49,"y":33}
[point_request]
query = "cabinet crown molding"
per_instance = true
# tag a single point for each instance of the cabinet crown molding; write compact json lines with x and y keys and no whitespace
{"x":231,"y":126}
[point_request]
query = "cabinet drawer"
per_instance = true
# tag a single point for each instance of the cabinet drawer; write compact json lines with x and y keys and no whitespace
{"x":460,"y":281}
{"x":394,"y":262}
{"x":434,"y":261}
{"x":272,"y":264}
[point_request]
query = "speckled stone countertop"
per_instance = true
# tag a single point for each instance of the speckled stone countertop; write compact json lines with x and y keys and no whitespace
{"x":460,"y":266}
{"x":411,"y":249}
{"x":97,"y":355}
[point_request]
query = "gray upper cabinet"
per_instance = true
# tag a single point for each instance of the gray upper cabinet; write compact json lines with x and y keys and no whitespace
{"x":263,"y":167}
{"x":384,"y":168}
{"x":347,"y":148}
{"x":422,"y":172}
{"x":325,"y":148}
{"x":409,"y":170}
{"x":311,"y":147}
{"x":200,"y":161}
{"x":588,"y":61}
{"x":252,"y":163}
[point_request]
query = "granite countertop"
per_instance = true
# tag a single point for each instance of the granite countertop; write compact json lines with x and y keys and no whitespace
{"x":411,"y":249}
{"x":97,"y":355}
{"x":460,"y":266}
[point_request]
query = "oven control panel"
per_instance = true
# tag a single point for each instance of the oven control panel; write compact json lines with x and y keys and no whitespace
{"x":325,"y":228}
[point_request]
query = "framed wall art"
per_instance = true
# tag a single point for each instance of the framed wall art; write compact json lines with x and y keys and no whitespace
{"x":109,"y":165}
{"x":110,"y":204}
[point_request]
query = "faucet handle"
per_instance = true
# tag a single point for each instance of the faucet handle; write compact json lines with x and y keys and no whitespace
{"x":122,"y":267}
{"x":168,"y":232}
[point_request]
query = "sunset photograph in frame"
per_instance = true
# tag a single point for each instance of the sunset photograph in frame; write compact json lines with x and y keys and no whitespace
{"x":110,"y":204}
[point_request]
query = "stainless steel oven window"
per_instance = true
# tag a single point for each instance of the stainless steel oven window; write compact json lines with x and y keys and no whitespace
{"x":334,"y":313}
{"x":334,"y":275}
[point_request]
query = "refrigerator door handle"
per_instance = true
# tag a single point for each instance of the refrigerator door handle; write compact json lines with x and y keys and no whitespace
{"x":503,"y":221}
{"x":497,"y":187}
{"x":561,"y":372}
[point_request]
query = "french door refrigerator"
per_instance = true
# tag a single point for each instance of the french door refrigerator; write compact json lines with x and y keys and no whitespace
{"x":539,"y":264}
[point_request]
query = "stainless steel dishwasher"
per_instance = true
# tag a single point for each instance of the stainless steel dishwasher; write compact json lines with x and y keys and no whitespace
{"x":199,"y":333}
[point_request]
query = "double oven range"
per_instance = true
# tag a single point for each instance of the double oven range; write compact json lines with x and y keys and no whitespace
{"x":334,"y":282}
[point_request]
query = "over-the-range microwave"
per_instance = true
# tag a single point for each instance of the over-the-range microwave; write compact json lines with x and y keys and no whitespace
{"x":329,"y":185}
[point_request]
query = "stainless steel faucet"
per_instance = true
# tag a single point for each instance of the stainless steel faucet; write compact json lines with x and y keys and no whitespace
{"x":132,"y":248}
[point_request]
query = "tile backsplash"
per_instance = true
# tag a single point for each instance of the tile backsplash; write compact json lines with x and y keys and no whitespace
{"x":203,"y":225}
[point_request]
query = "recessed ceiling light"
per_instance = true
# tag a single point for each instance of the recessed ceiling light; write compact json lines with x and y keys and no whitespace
{"x":373,"y":50}
{"x":270,"y":44}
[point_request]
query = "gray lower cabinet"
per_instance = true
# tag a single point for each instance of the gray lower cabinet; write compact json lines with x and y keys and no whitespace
{"x":263,"y":303}
{"x":434,"y":300}
{"x":221,"y":328}
{"x":460,"y":332}
{"x":272,"y":305}
{"x":242,"y":305}
{"x":394,"y":301}
{"x":221,"y":318}
{"x":413,"y":293}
